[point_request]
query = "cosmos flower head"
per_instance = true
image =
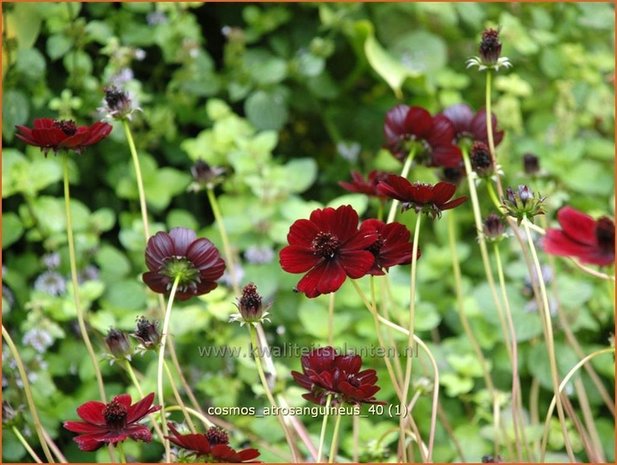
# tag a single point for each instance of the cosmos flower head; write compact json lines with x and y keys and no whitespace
{"x":147,"y":333}
{"x":251,"y":308}
{"x":57,"y":135}
{"x":472,"y":126}
{"x":591,"y":241}
{"x":481,"y":161}
{"x":111,"y":423}
{"x":367,"y":186}
{"x":531,"y":164}
{"x":493,"y":227}
{"x":118,"y":344}
{"x":118,"y":103}
{"x":205,"y":175}
{"x":392,"y":247}
{"x":490,"y":53}
{"x":523,"y":203}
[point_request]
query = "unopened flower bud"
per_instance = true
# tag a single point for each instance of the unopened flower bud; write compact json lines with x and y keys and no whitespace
{"x":118,"y":344}
{"x":481,"y":160}
{"x":531,"y":164}
{"x":490,"y":46}
{"x":118,"y":103}
{"x":205,"y":175}
{"x":250,"y":306}
{"x":147,"y":333}
{"x":493,"y":227}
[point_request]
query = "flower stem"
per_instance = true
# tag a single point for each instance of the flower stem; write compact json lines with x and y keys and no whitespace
{"x":331,"y":318}
{"x":178,"y":398}
{"x":225,"y":238}
{"x":324,"y":424}
{"x":29,"y":399}
{"x":24,"y":443}
{"x":72,"y":259}
{"x":120,"y":447}
{"x":335,"y":435}
{"x":161,"y":361}
{"x":404,"y":173}
{"x":550,"y":346}
{"x":489,"y":116}
{"x":262,"y":376}
{"x":411,"y":327}
{"x":493,"y":196}
{"x":138,"y":177}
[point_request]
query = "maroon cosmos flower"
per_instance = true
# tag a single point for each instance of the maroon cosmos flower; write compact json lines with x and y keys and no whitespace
{"x":327,"y":373}
{"x":405,"y":126}
{"x":329,"y":248}
{"x":49,"y":134}
{"x":468,"y":125}
{"x":392,"y":247}
{"x":591,"y":241}
{"x":211,"y":447}
{"x":180,"y":254}
{"x":111,"y":423}
{"x":367,"y":186}
{"x":426,"y":198}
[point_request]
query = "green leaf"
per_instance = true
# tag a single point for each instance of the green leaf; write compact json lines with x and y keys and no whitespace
{"x":266,"y":110}
{"x":12,"y":229}
{"x":300,"y":174}
{"x":314,"y":314}
{"x":15,"y":111}
{"x":30,"y":63}
{"x":26,"y":20}
{"x":58,"y":45}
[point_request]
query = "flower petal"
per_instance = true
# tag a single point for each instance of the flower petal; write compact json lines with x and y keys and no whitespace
{"x":182,"y":239}
{"x":92,"y":412}
{"x":296,"y":259}
{"x":326,"y":277}
{"x":578,"y":225}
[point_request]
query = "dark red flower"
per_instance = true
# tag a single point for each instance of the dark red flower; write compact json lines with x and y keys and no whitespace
{"x":364,"y":186}
{"x":111,"y":423}
{"x":211,"y":447}
{"x":405,"y":126}
{"x":427,"y":198}
{"x":490,"y":46}
{"x":49,"y":134}
{"x":591,"y":241}
{"x":329,"y":247}
{"x":472,"y":126}
{"x":324,"y":373}
{"x":392,"y":247}
{"x":480,"y":158}
{"x":195,"y":261}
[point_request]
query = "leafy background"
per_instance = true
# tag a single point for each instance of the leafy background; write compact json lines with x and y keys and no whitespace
{"x":290,"y":98}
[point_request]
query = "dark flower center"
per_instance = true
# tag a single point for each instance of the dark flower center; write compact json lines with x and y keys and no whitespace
{"x":605,"y":234}
{"x":68,"y":127}
{"x":376,"y":246}
{"x":325,"y":245}
{"x":217,"y":435}
{"x":115,"y":415}
{"x":114,"y":97}
{"x":480,"y":158}
{"x":355,"y":382}
{"x":453,"y":175}
{"x":184,"y":270}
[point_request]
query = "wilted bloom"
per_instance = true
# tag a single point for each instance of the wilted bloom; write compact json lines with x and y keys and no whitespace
{"x":470,"y":125}
{"x":194,"y":262}
{"x":205,"y":175}
{"x":49,"y":134}
{"x":111,"y":423}
{"x":364,"y":186}
{"x":325,"y":373}
{"x":480,"y":158}
{"x":522,"y":203}
{"x":329,"y":248}
{"x":250,"y":306}
{"x":392,"y":247}
{"x":118,"y":103}
{"x":531,"y":164}
{"x":50,"y":282}
{"x":490,"y":53}
{"x":413,"y":128}
{"x":591,"y":241}
{"x":118,"y":344}
{"x":493,"y":227}
{"x":147,"y":333}
{"x":425,"y":198}
{"x":211,"y":447}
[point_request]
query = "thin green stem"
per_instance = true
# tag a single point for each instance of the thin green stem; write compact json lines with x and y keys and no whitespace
{"x":225,"y":238}
{"x":178,"y":397}
{"x":78,"y":309}
{"x":404,"y":173}
{"x":493,"y":196}
{"x":489,"y":117}
{"x":262,"y":376}
{"x":28,"y":391}
{"x":550,"y":345}
{"x":120,"y":447}
{"x":324,"y":424}
{"x":412,"y":318}
{"x":177,"y":408}
{"x":138,"y":177}
{"x":24,"y":443}
{"x":161,"y":360}
{"x":335,"y":435}
{"x":331,"y":318}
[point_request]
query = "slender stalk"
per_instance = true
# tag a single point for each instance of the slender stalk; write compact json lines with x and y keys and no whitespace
{"x":493,"y":196}
{"x":78,"y":309}
{"x":412,"y":317}
{"x":24,"y":443}
{"x":161,"y":360}
{"x":201,"y":417}
{"x":335,"y":435}
{"x":404,"y":173}
{"x":331,"y":318}
{"x":29,"y":399}
{"x":266,"y":386}
{"x":562,"y":386}
{"x":548,"y":326}
{"x":324,"y":424}
{"x":489,"y":118}
{"x":54,"y":448}
{"x":589,"y":421}
{"x":138,"y":177}
{"x":224,"y":238}
{"x":120,"y":448}
{"x":446,"y":424}
{"x":174,"y":389}
{"x":534,"y":410}
{"x":355,"y":425}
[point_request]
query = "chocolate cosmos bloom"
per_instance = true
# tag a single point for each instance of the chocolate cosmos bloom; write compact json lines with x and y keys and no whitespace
{"x":211,"y":447}
{"x":481,"y":161}
{"x":426,"y":198}
{"x":392,"y":247}
{"x":329,"y":248}
{"x":472,"y":126}
{"x":327,"y":373}
{"x":111,"y":423}
{"x":490,"y":46}
{"x":180,"y":254}
{"x":364,"y":186}
{"x":49,"y":134}
{"x":147,"y":333}
{"x":591,"y":241}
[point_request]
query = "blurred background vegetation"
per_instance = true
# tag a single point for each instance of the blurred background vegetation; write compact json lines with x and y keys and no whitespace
{"x":289,"y":99}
